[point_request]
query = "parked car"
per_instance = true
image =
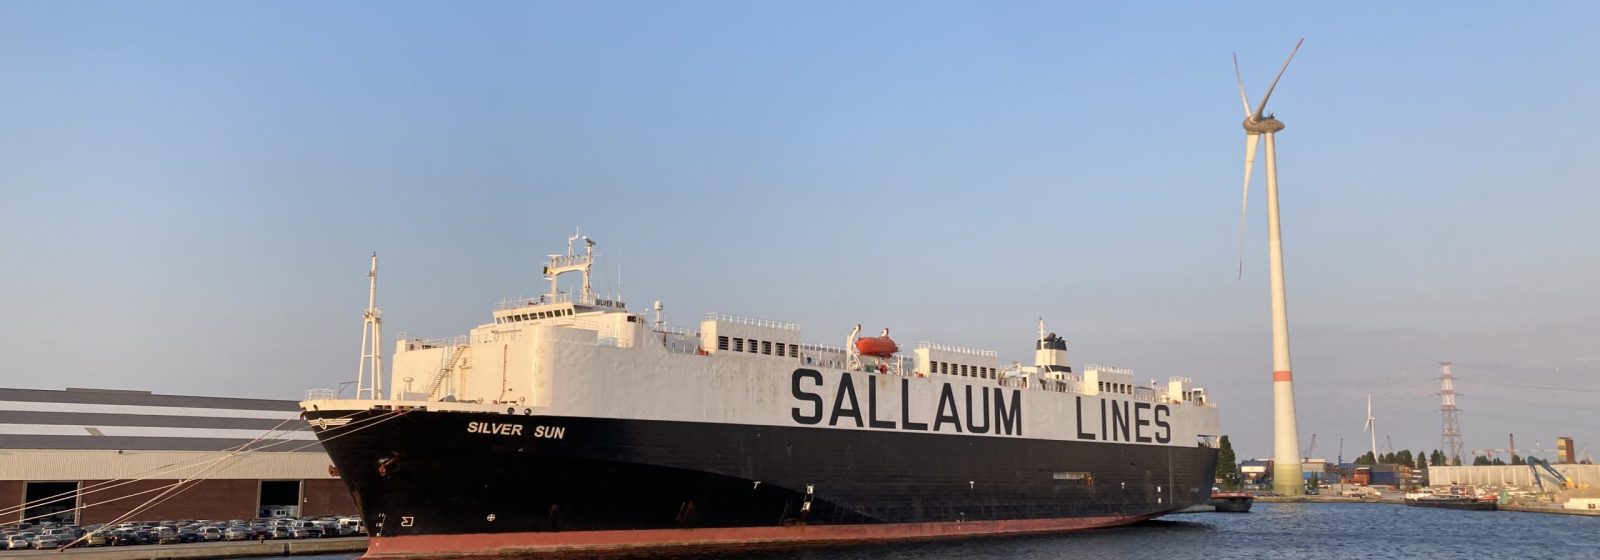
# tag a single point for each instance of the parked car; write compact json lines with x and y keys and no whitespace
{"x":167,"y":535}
{"x":189,"y":537}
{"x":98,"y":538}
{"x":305,"y":530}
{"x":42,"y":542}
{"x":237,"y":534}
{"x":281,"y":532}
{"x":211,"y":533}
{"x":19,"y":541}
{"x":354,"y":524}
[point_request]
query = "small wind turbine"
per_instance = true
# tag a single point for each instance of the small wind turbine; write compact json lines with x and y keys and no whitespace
{"x":1286,"y":471}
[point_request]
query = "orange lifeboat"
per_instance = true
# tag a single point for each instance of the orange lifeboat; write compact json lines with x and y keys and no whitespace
{"x":877,"y":346}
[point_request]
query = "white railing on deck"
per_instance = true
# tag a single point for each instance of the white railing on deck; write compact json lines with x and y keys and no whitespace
{"x":752,"y":321}
{"x":958,"y":349}
{"x":320,"y":394}
{"x":1107,"y":369}
{"x":423,"y":343}
{"x":520,"y":302}
{"x":669,"y":329}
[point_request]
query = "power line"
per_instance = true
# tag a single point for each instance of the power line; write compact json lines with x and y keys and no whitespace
{"x":1515,"y":386}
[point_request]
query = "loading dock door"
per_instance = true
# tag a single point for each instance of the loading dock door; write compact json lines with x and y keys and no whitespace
{"x":51,"y":501}
{"x":279,"y":498}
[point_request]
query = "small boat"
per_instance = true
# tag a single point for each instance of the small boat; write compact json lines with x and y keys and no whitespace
{"x":1232,"y":502}
{"x":1453,"y":502}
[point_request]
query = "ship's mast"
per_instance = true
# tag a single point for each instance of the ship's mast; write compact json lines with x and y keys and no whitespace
{"x":572,"y":262}
{"x":370,"y":370}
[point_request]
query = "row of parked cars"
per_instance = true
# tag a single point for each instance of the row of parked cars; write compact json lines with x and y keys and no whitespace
{"x":46,"y":536}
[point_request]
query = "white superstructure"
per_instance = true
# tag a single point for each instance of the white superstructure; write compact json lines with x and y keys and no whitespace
{"x":585,"y":356}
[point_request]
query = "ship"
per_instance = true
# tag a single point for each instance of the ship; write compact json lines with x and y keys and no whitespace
{"x":1232,"y":502}
{"x":568,"y":422}
{"x":1455,"y":499}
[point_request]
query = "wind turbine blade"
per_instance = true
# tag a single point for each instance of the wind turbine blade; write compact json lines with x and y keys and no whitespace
{"x":1250,"y":142}
{"x":1240,"y":78}
{"x":1263,"y":105}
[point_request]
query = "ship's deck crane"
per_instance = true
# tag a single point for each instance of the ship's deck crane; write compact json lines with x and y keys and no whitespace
{"x":1534,"y":463}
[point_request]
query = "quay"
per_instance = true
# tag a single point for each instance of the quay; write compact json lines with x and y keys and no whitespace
{"x":222,"y":549}
{"x":1516,"y":505}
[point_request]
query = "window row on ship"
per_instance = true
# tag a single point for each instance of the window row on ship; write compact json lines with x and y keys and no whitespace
{"x":964,"y":370}
{"x":753,"y":346}
{"x":533,"y":316}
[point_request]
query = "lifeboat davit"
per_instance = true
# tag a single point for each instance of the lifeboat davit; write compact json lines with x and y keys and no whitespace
{"x":877,"y":346}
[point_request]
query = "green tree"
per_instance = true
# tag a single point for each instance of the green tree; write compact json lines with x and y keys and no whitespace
{"x":1437,"y":458}
{"x":1517,"y":460}
{"x":1481,"y":461}
{"x":1497,"y":461}
{"x":1422,"y":462}
{"x":1227,"y":463}
{"x":1365,"y":459}
{"x":1404,"y":458}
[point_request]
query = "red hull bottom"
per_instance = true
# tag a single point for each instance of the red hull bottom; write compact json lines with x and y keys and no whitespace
{"x":495,"y":544}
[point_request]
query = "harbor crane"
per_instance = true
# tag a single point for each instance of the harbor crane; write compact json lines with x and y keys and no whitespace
{"x":1309,"y":450}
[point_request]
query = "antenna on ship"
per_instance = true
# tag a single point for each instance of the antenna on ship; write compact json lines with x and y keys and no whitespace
{"x":367,"y":383}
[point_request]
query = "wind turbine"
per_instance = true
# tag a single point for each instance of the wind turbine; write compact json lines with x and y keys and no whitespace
{"x":1373,"y":429}
{"x":1287,"y":477}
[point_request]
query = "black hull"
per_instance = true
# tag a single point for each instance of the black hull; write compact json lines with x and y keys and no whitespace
{"x":432,"y":473}
{"x":1232,"y":504}
{"x":1472,"y":505}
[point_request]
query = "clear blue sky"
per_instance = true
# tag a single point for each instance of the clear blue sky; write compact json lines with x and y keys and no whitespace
{"x":189,"y":190}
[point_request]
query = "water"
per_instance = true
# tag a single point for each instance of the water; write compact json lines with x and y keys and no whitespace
{"x":1277,"y":531}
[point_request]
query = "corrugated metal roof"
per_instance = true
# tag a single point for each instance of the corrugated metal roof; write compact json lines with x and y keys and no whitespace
{"x":134,"y":420}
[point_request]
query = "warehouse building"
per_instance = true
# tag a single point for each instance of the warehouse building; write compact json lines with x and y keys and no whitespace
{"x":1520,"y":476}
{"x":90,"y":455}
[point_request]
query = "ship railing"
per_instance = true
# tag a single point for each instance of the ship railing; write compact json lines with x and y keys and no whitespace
{"x":321,"y":394}
{"x":685,"y":347}
{"x":425,"y":343}
{"x":1107,"y":369}
{"x":669,"y":329}
{"x":751,"y":321}
{"x":562,"y":261}
{"x":957,"y":349}
{"x":521,"y":301}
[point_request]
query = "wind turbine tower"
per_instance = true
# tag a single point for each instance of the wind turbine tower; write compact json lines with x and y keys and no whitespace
{"x":1287,"y":477}
{"x":1373,"y":429}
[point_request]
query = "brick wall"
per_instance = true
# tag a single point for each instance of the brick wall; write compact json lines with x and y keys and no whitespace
{"x":10,"y":497}
{"x":326,"y":497}
{"x":207,"y":499}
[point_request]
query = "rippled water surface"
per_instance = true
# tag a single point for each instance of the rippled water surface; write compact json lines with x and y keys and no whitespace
{"x":1279,"y":531}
